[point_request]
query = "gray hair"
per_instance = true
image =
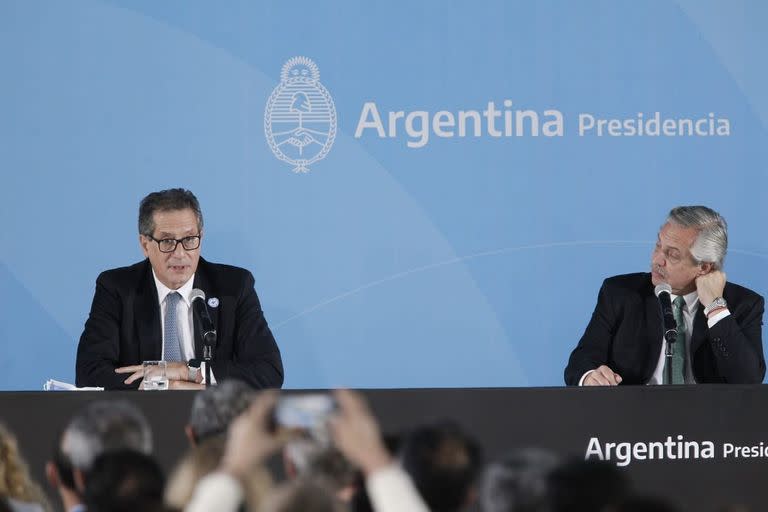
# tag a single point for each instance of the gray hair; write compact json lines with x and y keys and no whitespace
{"x":163,"y":201}
{"x":105,"y":426}
{"x":711,"y":243}
{"x":214,"y":408}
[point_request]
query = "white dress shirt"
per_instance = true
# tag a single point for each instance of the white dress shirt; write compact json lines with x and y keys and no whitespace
{"x":689,"y":312}
{"x":186,"y":320}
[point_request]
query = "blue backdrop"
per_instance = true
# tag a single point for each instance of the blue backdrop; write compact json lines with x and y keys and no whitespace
{"x":416,"y":252}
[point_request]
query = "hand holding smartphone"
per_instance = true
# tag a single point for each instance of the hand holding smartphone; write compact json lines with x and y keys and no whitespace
{"x":305,"y":415}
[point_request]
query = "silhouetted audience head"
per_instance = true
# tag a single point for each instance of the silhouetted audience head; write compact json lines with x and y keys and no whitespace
{"x":101,"y":427}
{"x":444,"y":463}
{"x":214,"y":408}
{"x":518,"y":482}
{"x":124,"y":481}
{"x":581,"y":485}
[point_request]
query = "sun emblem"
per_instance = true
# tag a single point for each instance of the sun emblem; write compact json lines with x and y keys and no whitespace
{"x":300,"y":117}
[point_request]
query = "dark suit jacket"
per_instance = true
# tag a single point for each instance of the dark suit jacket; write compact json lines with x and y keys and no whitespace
{"x":123,"y":327}
{"x":625,"y":333}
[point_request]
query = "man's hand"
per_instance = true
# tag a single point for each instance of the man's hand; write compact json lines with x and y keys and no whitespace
{"x":710,"y":286}
{"x":356,"y":433}
{"x":602,"y":376}
{"x":136,"y":371}
{"x":249,"y":440}
{"x":174,"y":371}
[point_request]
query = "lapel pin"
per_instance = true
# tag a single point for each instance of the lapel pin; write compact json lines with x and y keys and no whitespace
{"x":213,"y":302}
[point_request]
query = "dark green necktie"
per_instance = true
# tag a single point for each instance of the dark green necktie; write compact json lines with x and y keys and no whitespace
{"x":678,"y":358}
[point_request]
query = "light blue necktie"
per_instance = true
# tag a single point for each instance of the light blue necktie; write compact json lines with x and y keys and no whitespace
{"x":172,"y":338}
{"x":678,"y":358}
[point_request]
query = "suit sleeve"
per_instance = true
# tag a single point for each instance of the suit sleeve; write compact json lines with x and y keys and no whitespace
{"x":737,"y":343}
{"x":256,"y":358}
{"x":594,"y":346}
{"x":98,"y":352}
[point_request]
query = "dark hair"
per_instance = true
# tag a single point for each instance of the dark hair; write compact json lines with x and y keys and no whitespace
{"x":163,"y":201}
{"x":443,"y":462}
{"x":124,"y":480}
{"x":63,"y":465}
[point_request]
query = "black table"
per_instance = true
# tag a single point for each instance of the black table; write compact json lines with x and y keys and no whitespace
{"x":710,"y":441}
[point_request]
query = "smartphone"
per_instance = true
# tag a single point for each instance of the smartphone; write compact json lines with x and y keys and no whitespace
{"x":305,"y":413}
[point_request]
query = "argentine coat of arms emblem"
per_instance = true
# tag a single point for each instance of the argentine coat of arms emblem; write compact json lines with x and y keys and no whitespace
{"x":300,"y":117}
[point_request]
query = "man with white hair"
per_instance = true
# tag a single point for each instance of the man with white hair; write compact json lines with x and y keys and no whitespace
{"x":101,"y":427}
{"x":719,"y":334}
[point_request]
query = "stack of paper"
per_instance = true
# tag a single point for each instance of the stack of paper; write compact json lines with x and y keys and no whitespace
{"x":55,"y":385}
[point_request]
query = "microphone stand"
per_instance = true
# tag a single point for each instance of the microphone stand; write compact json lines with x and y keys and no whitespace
{"x":664,"y":293}
{"x":671,"y":337}
{"x":209,"y":341}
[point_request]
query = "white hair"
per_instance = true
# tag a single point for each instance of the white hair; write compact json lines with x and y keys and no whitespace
{"x":105,"y":426}
{"x":711,"y":243}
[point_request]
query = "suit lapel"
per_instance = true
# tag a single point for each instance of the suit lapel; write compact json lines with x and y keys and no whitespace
{"x":203,"y":283}
{"x":147,"y":317}
{"x":655,"y":331}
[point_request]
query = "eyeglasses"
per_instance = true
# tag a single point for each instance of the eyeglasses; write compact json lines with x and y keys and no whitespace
{"x":189,"y":243}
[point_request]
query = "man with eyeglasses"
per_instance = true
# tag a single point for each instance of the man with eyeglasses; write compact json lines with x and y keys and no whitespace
{"x":144,"y":312}
{"x":719,"y":324}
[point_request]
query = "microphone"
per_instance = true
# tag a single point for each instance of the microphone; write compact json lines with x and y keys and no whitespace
{"x":200,"y":309}
{"x":663,"y":291}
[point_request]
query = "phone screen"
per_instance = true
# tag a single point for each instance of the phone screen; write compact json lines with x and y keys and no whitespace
{"x":307,"y":412}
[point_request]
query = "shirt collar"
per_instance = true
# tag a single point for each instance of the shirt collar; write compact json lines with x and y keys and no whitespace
{"x":163,"y":291}
{"x":691,"y":300}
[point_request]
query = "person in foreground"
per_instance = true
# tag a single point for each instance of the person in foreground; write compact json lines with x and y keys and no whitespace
{"x":719,"y":323}
{"x":144,"y":312}
{"x":18,"y":492}
{"x":101,"y":427}
{"x":355,"y":434}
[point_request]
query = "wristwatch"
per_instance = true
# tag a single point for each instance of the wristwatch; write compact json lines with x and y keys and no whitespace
{"x":193,"y":369}
{"x":715,"y":304}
